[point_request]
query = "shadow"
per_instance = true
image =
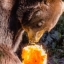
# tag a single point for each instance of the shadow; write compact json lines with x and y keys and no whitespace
{"x":14,"y":23}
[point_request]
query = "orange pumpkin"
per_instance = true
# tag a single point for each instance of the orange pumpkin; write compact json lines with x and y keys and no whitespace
{"x":34,"y":54}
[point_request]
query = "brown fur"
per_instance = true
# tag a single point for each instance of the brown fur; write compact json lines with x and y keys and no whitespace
{"x":38,"y":16}
{"x":42,"y":18}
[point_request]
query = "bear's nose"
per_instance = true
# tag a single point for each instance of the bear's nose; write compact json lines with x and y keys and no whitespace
{"x":33,"y":36}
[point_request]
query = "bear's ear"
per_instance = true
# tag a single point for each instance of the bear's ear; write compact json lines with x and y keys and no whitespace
{"x":45,"y":1}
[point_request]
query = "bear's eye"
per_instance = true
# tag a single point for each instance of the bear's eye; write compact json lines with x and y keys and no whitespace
{"x":40,"y":23}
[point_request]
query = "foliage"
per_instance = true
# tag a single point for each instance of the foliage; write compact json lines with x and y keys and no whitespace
{"x":60,"y":25}
{"x":57,"y":50}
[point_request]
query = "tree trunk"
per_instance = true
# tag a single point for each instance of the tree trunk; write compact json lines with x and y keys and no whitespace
{"x":7,"y":56}
{"x":5,"y":35}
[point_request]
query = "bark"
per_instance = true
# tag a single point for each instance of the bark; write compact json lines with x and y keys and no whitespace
{"x":5,"y":35}
{"x":7,"y":56}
